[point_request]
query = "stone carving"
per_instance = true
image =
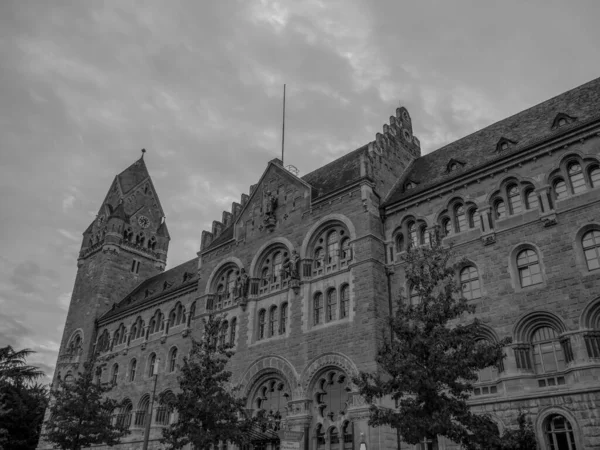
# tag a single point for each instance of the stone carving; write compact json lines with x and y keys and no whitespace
{"x":269,"y":207}
{"x":291,"y":266}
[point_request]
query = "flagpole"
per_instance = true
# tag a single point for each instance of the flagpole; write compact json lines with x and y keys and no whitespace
{"x":283,"y":127}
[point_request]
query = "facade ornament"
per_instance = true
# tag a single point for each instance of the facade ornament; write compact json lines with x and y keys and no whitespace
{"x":291,"y":268}
{"x":269,"y":207}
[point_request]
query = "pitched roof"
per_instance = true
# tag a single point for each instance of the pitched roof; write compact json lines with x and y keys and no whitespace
{"x":133,"y":175}
{"x":155,"y":286}
{"x":163,"y":231}
{"x":479,"y":148}
{"x":336,"y":174}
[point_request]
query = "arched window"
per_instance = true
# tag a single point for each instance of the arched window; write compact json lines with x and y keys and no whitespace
{"x":319,"y":258}
{"x":142,"y":411}
{"x":124,"y":417}
{"x":115,"y":374}
{"x":412,"y":234}
{"x":272,"y":321}
{"x":172,"y":359}
{"x":528,"y":267}
{"x":560,"y":189}
{"x":446,"y":226}
{"x":424,"y":236}
{"x":332,"y":247}
{"x":152,"y":364}
{"x":559,"y":433}
{"x":348,"y":432}
{"x":531,"y":199}
{"x":318,"y":308}
{"x":399,"y":242}
{"x":469,"y":281}
{"x":104,"y":342}
{"x":331,"y":305}
{"x":595,"y":176}
{"x":459,"y":218}
{"x":474,"y":218}
{"x":514,"y":199}
{"x":414,"y":298}
{"x":265,"y":276}
{"x":334,"y":438}
{"x":548,"y":354}
{"x":576,"y":178}
{"x":261,"y":323}
{"x":230,"y":283}
{"x":500,"y":209}
{"x":283,"y":319}
{"x":320,"y":436}
{"x":277,"y":262}
{"x":591,"y":249}
{"x":344,"y":301}
{"x":232,"y":331}
{"x":271,"y":399}
{"x":164,"y":413}
{"x":271,"y":270}
{"x":223,"y":332}
{"x":332,"y":395}
{"x":132,"y":369}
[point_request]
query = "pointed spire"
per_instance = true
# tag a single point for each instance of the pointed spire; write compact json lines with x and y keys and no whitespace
{"x":133,"y":175}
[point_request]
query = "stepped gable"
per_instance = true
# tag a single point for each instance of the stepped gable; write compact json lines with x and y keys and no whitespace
{"x":336,"y":174}
{"x":480,"y":148}
{"x":133,"y":175}
{"x":155,"y":286}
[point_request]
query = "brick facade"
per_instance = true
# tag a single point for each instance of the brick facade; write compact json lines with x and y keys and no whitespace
{"x":358,"y":213}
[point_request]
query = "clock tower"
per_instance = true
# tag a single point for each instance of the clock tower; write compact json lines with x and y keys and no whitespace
{"x":125,"y":244}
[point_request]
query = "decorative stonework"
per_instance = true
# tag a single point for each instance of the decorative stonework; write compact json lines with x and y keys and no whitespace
{"x":327,"y":360}
{"x":270,"y":364}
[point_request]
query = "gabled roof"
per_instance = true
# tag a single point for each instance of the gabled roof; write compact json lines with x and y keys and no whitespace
{"x":153,"y":287}
{"x":524,"y":128}
{"x":336,"y":174}
{"x":133,"y":175}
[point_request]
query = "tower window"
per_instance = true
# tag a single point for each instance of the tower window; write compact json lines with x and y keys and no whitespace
{"x":135,"y":266}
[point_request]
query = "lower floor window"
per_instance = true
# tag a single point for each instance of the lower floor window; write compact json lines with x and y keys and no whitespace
{"x":559,"y":433}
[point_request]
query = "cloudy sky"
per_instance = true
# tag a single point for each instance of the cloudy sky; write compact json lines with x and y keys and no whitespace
{"x":84,"y":85}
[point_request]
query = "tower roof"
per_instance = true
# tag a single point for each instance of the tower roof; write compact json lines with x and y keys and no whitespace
{"x":163,"y":231}
{"x":133,"y":175}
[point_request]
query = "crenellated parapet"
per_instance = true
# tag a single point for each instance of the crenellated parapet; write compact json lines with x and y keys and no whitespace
{"x":217,"y":228}
{"x":397,"y":134}
{"x":227,"y":219}
{"x":244,"y":199}
{"x":236,"y":209}
{"x":206,"y":239}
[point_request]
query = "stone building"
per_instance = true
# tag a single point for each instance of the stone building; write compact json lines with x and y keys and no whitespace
{"x":306,"y":268}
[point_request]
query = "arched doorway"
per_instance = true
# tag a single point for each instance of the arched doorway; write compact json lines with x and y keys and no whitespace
{"x":269,"y":402}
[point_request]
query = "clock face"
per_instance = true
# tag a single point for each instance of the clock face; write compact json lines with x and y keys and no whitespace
{"x":144,"y":221}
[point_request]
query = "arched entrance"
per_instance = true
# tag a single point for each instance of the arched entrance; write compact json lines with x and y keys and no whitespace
{"x":269,"y":402}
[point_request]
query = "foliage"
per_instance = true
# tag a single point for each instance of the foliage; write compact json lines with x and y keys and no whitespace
{"x":522,"y":438}
{"x":81,"y":415}
{"x":429,"y":365}
{"x":21,"y":414}
{"x":208,"y":407}
{"x":13,"y":368}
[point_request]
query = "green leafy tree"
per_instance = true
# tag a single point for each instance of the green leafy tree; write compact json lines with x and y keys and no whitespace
{"x":429,"y":365}
{"x":14,"y":368}
{"x":209,"y":409}
{"x":81,"y":414}
{"x":22,"y":410}
{"x":521,"y":438}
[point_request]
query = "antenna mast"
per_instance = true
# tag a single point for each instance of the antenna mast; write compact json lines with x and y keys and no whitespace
{"x":283,"y":127}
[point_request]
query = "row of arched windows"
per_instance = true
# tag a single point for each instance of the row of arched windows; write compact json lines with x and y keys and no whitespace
{"x":227,"y":332}
{"x":331,"y":306}
{"x":151,"y":366}
{"x":138,"y":329}
{"x":127,"y":417}
{"x":273,"y":324}
{"x":575,"y":176}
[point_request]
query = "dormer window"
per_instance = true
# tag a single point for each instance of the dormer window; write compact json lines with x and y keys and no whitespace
{"x":561,"y":120}
{"x":453,"y":167}
{"x":504,"y":144}
{"x":410,"y":185}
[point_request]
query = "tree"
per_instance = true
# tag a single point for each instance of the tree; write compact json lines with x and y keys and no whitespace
{"x":431,"y":361}
{"x":208,"y":407}
{"x":13,"y":367}
{"x":522,"y":438}
{"x":81,"y":415}
{"x":22,"y":410}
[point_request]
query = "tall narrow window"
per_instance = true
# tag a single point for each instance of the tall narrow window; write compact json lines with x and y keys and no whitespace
{"x":173,"y":359}
{"x":348,"y":433}
{"x":591,"y":249}
{"x":334,"y":439}
{"x":500,"y":209}
{"x":576,"y":178}
{"x":560,"y":189}
{"x":317,"y":308}
{"x":514,"y":200}
{"x":531,"y":199}
{"x":115,"y":374}
{"x":469,"y":281}
{"x":460,"y":218}
{"x":332,"y":247}
{"x":412,"y":234}
{"x":528,"y":266}
{"x":446,"y":226}
{"x":424,"y":236}
{"x":230,"y":283}
{"x":261,"y":323}
{"x":344,"y":301}
{"x":319,"y":258}
{"x":474,"y":218}
{"x":331,"y":305}
{"x":132,"y":369}
{"x":399,"y":242}
{"x":559,"y":433}
{"x":595,"y":176}
{"x":283,"y":318}
{"x":272,"y":321}
{"x":223,"y":332}
{"x":547,"y":352}
{"x":151,"y":364}
{"x":277,"y":261}
{"x":232,"y":331}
